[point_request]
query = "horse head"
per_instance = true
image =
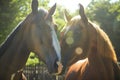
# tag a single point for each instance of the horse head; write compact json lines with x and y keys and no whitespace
{"x":80,"y":38}
{"x":74,"y":40}
{"x":42,"y":36}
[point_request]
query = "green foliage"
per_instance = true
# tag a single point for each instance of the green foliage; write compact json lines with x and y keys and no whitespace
{"x":32,"y":60}
{"x":107,"y":14}
{"x":11,"y":13}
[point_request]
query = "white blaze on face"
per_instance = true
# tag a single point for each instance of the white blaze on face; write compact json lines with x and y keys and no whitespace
{"x":55,"y":41}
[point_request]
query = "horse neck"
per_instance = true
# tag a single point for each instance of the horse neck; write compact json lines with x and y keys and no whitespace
{"x":13,"y":50}
{"x":101,"y":44}
{"x":102,"y":55}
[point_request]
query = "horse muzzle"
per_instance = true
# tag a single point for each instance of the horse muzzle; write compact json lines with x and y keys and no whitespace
{"x":55,"y":68}
{"x":60,"y":67}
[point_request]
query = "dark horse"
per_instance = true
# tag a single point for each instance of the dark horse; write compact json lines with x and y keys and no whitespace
{"x":34,"y":34}
{"x":84,"y":41}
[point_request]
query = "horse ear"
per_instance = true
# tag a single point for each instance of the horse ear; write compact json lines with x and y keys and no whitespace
{"x":34,"y":6}
{"x":67,"y":17}
{"x":82,"y":14}
{"x":52,"y":10}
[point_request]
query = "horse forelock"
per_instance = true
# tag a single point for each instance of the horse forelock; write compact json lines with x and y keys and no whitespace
{"x":73,"y":21}
{"x":42,"y":12}
{"x":76,"y":18}
{"x":38,"y":17}
{"x":103,"y":44}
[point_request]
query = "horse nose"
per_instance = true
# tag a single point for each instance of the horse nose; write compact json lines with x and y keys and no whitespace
{"x":60,"y":67}
{"x":56,"y":68}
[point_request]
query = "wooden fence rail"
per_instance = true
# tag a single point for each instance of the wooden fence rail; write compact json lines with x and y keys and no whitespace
{"x":39,"y":72}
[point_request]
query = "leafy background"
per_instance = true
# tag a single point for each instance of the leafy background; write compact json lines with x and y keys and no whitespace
{"x":103,"y":12}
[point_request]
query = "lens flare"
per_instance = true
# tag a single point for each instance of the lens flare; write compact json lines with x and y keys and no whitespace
{"x":78,"y":50}
{"x":69,"y":40}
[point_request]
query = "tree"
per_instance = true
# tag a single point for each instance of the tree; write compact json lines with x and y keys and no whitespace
{"x":115,"y":9}
{"x":9,"y":12}
{"x":107,"y":15}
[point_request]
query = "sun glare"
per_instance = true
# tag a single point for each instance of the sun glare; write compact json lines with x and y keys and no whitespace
{"x":71,"y":5}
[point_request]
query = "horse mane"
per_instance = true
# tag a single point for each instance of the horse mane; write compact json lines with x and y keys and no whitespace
{"x":104,"y":45}
{"x":8,"y":40}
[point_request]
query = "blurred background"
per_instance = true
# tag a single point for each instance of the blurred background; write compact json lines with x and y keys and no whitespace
{"x":106,"y":13}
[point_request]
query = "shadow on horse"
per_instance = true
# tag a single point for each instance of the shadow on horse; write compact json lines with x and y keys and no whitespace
{"x":34,"y":34}
{"x":85,"y":41}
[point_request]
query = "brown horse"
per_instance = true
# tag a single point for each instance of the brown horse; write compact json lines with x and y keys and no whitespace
{"x":34,"y":34}
{"x":84,"y":41}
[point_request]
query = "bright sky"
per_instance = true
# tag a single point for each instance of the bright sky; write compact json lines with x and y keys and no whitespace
{"x":72,"y":5}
